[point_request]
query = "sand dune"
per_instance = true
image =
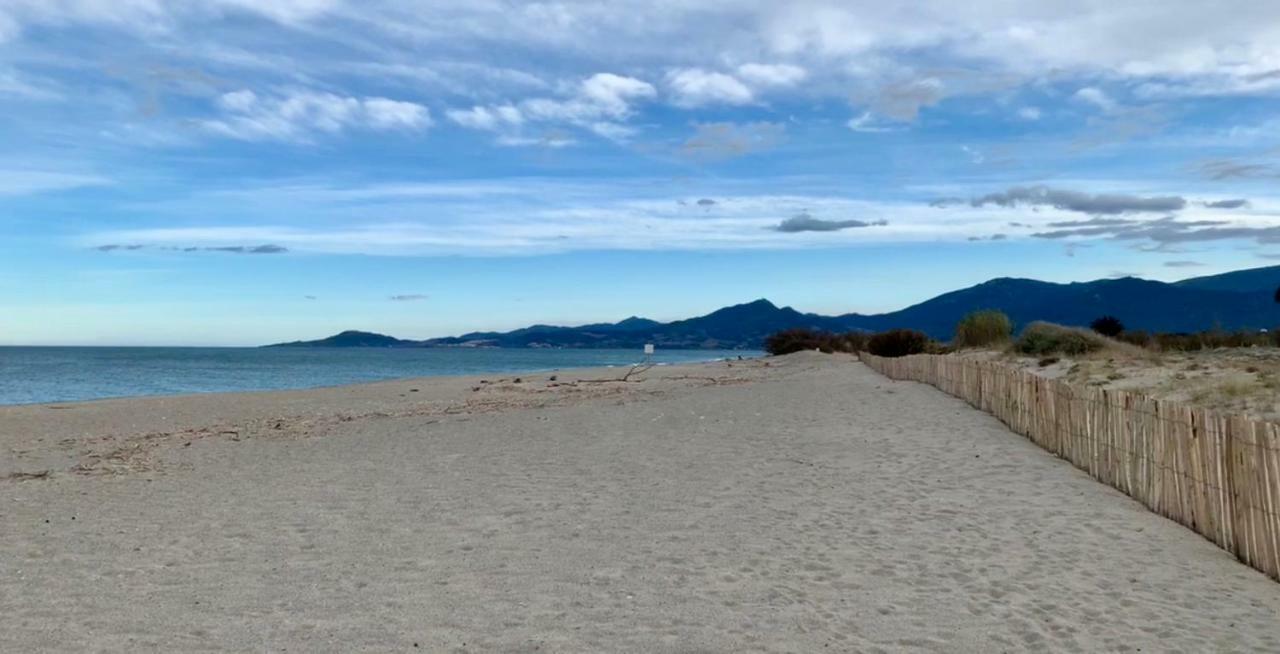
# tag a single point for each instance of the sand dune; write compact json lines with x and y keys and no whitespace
{"x":810,"y":505}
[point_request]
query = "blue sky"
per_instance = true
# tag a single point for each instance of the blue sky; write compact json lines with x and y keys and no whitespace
{"x":231,"y":172}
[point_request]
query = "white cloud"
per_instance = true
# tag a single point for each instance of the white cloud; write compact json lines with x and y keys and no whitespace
{"x":612,"y":131}
{"x":695,"y":87}
{"x":22,"y":181}
{"x":488,"y":54}
{"x":150,"y":16}
{"x":1029,"y":113}
{"x":487,"y":118}
{"x":298,"y":115}
{"x":614,"y":93}
{"x":1096,"y":97}
{"x":603,"y":95}
{"x":282,"y":11}
{"x":1179,"y":38}
{"x":241,"y":101}
{"x":772,"y":74}
{"x":396,"y":114}
{"x":14,"y":84}
{"x":553,"y":139}
{"x":867,"y":123}
{"x":539,"y":215}
{"x":599,"y":104}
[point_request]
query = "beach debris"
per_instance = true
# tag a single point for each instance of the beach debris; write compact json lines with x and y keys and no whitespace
{"x":25,"y":476}
{"x":636,"y":369}
{"x":516,"y":380}
{"x":551,"y":378}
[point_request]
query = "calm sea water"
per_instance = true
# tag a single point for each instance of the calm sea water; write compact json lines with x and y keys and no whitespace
{"x":30,"y":375}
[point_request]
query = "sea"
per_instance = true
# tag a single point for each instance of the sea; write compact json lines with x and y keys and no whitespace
{"x":39,"y":375}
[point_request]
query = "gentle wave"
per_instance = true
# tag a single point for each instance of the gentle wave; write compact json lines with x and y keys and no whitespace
{"x":36,"y":375}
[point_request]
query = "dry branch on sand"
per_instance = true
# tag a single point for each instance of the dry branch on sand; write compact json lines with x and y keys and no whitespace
{"x":637,"y":369}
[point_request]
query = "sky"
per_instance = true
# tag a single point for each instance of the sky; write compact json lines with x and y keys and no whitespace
{"x":239,"y":172}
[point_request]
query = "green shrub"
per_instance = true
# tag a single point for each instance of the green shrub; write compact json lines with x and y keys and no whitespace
{"x":797,"y":340}
{"x":938,"y":347}
{"x":1109,"y":326}
{"x":800,"y":339}
{"x":983,"y":329}
{"x":1043,"y":338}
{"x":898,"y":343}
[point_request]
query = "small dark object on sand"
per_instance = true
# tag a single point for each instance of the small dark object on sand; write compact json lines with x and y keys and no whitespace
{"x":551,"y":378}
{"x":413,"y":390}
{"x":515,"y":381}
{"x":24,"y":476}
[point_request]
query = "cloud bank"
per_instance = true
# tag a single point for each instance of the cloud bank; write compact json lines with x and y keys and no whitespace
{"x":1104,"y":204}
{"x":804,"y":222}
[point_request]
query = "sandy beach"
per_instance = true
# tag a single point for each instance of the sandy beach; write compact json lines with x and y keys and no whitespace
{"x":794,"y":504}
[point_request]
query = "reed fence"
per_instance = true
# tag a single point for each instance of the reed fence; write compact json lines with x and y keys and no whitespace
{"x":1216,"y":474}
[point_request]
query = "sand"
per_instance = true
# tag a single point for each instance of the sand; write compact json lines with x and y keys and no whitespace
{"x":1244,"y":381}
{"x":806,"y":506}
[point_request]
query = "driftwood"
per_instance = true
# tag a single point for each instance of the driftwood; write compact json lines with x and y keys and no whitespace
{"x":637,"y":369}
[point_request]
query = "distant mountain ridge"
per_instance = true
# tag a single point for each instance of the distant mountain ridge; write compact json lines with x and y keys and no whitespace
{"x":1236,"y":300}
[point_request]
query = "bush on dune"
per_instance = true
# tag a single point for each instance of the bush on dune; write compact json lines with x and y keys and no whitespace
{"x":983,"y":329}
{"x":1214,"y":339}
{"x":800,"y":340}
{"x":797,"y":340}
{"x":898,"y":343}
{"x":1135,"y":337}
{"x":852,"y":342}
{"x":1109,"y":326}
{"x":1043,"y":338}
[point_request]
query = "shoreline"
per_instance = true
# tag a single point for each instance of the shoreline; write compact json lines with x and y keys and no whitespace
{"x":53,"y":437}
{"x":714,"y":356}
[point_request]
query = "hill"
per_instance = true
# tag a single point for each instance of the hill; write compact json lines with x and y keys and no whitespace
{"x":352,"y":338}
{"x":1139,"y":303}
{"x":1236,"y":300}
{"x":1240,"y":281}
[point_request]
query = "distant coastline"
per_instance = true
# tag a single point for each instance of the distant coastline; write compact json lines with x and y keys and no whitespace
{"x":1243,"y":299}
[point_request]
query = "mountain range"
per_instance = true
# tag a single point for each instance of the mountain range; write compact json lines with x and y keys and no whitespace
{"x":1242,"y":299}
